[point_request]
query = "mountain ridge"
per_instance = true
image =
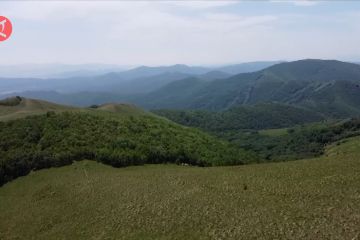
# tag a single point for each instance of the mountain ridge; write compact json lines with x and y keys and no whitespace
{"x":113,"y":80}
{"x":330,"y":87}
{"x":320,"y":85}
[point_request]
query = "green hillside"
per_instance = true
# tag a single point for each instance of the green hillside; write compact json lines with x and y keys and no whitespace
{"x":113,"y":135}
{"x":329,"y":87}
{"x":298,"y":142}
{"x":259,"y":116}
{"x":307,"y":199}
{"x":275,"y":132}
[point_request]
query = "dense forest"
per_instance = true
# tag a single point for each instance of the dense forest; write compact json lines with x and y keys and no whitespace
{"x":301,"y":137}
{"x":57,"y":139}
{"x":259,"y":116}
{"x":298,"y":142}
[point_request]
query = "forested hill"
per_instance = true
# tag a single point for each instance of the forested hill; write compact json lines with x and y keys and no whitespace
{"x":118,"y":135}
{"x":327,"y":86}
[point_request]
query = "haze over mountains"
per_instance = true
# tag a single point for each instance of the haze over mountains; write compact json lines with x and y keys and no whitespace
{"x":68,"y":78}
{"x":329,"y":87}
{"x":57,"y":70}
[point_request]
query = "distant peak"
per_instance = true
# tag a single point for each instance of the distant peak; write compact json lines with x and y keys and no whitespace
{"x":180,"y":65}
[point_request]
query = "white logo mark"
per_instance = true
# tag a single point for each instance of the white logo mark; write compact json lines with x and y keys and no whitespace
{"x":2,"y":26}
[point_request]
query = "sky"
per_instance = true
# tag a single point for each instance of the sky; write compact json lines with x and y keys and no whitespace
{"x":172,"y":32}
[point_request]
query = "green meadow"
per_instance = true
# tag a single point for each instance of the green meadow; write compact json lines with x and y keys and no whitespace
{"x":305,"y":199}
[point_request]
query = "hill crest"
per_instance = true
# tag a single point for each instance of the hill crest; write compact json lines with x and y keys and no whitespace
{"x":19,"y":107}
{"x":122,"y":108}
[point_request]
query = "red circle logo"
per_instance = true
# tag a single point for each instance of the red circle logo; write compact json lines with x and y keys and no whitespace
{"x":5,"y":28}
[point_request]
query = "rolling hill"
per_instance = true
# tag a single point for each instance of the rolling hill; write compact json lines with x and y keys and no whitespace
{"x":114,"y":134}
{"x":306,"y":199}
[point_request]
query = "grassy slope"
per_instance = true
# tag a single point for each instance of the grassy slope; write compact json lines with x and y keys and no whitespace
{"x":29,"y":107}
{"x":307,"y":199}
{"x":12,"y":109}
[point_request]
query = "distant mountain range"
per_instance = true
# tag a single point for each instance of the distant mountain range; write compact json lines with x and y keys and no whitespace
{"x":110,"y":78}
{"x":329,"y":87}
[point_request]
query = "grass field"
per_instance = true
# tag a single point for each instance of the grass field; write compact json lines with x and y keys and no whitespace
{"x":306,"y":199}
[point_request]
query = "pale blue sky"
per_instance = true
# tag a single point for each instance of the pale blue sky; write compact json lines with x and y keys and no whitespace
{"x":190,"y":32}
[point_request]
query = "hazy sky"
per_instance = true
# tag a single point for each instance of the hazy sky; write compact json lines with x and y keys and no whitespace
{"x":190,"y":32}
